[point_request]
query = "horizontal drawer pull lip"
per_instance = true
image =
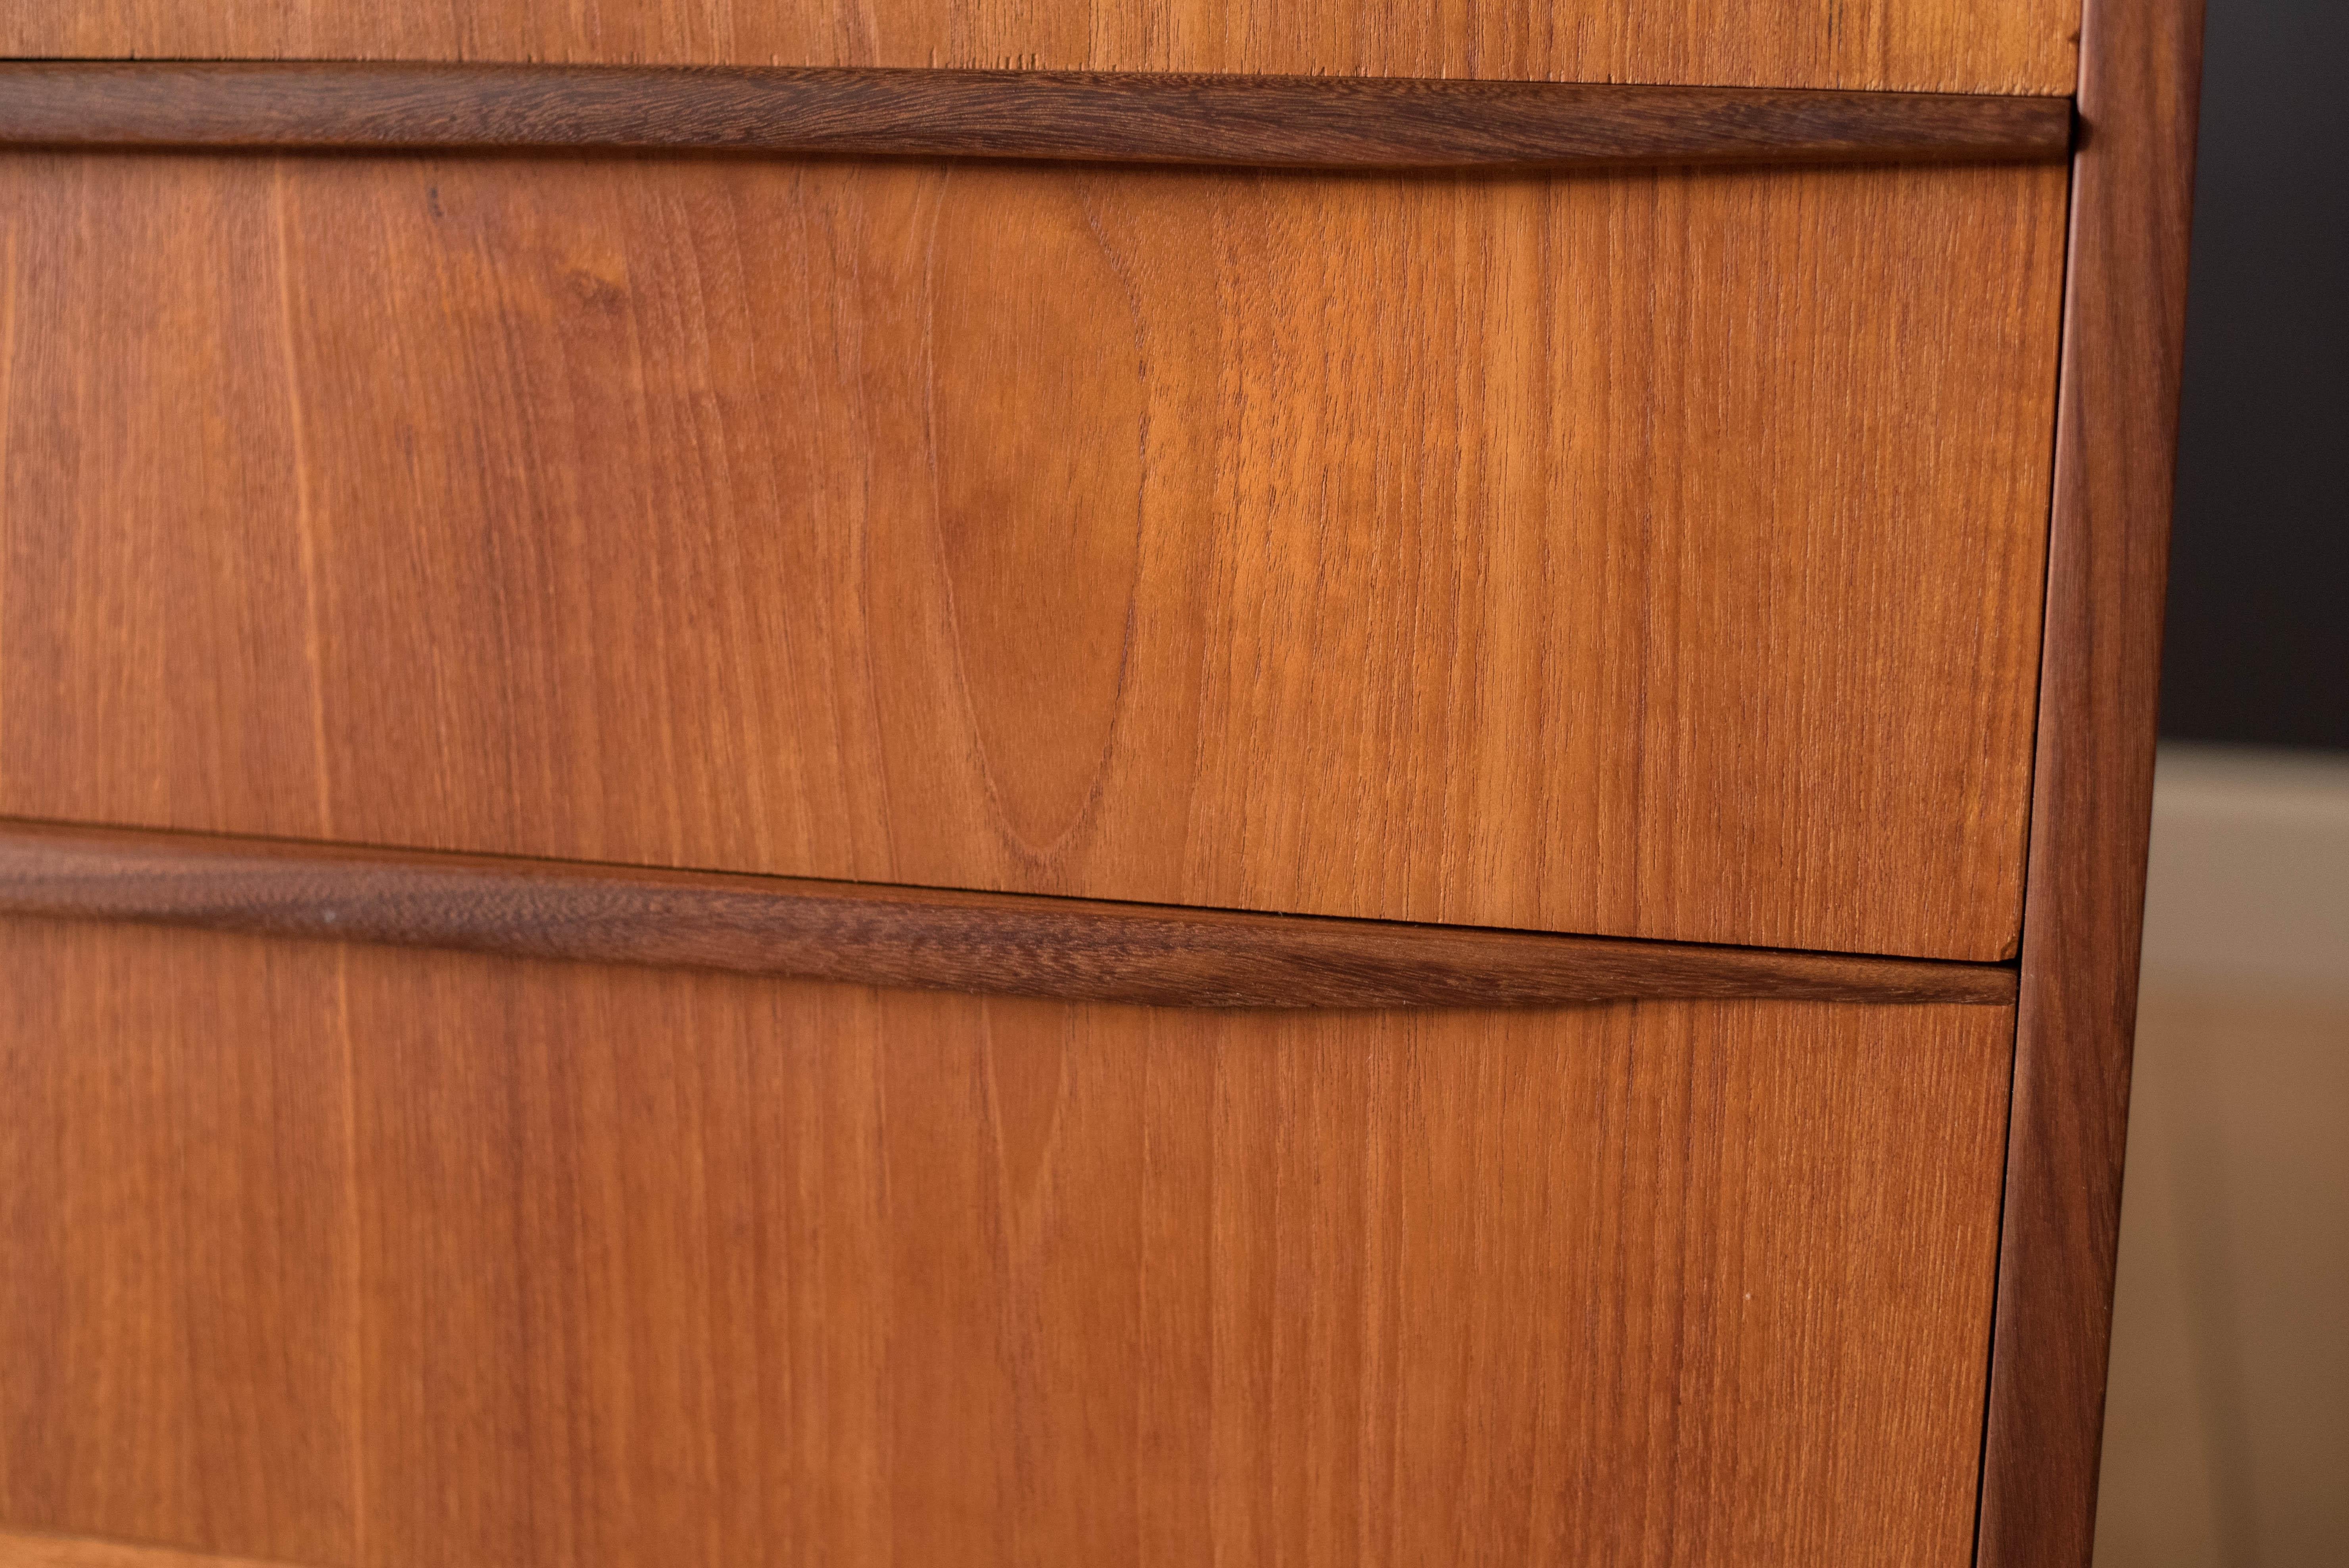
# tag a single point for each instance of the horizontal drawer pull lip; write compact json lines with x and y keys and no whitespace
{"x":1011,"y":944}
{"x":1295,"y":122}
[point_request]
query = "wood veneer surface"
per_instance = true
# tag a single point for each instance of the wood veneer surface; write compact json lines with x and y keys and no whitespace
{"x":342,"y":1254}
{"x":18,"y":1550}
{"x":175,"y":1244}
{"x":1954,"y":46}
{"x":1655,"y":555}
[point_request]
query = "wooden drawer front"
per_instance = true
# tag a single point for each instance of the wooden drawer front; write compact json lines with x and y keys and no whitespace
{"x":1656,"y":554}
{"x":351,"y":1256}
{"x":1950,"y":46}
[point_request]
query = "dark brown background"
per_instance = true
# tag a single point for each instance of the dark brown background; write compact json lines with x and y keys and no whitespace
{"x":2258,"y":589}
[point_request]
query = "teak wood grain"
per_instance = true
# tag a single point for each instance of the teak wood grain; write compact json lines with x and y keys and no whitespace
{"x":18,"y":1550}
{"x":1292,"y":122}
{"x":2092,"y":802}
{"x":174,"y":1244}
{"x":1954,"y":46}
{"x":990,"y":942}
{"x":349,"y":1255}
{"x":1653,"y":554}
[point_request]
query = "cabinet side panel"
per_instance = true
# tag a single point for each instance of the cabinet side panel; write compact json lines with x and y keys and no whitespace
{"x":2092,"y":802}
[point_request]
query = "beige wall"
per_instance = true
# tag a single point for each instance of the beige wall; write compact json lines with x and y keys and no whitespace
{"x":2227,"y":1434}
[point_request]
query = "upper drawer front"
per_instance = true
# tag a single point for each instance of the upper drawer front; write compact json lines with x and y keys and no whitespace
{"x":1945,"y":46}
{"x":1655,"y":555}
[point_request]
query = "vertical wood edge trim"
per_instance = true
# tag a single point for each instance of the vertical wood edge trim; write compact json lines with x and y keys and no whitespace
{"x":2117,"y":421}
{"x":1301,"y":122}
{"x":993,"y":943}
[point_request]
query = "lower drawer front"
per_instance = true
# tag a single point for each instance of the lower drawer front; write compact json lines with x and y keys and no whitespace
{"x":1651,"y":554}
{"x":334,"y":1254}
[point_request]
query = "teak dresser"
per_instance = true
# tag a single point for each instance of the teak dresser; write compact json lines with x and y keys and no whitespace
{"x":1166,"y":782}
